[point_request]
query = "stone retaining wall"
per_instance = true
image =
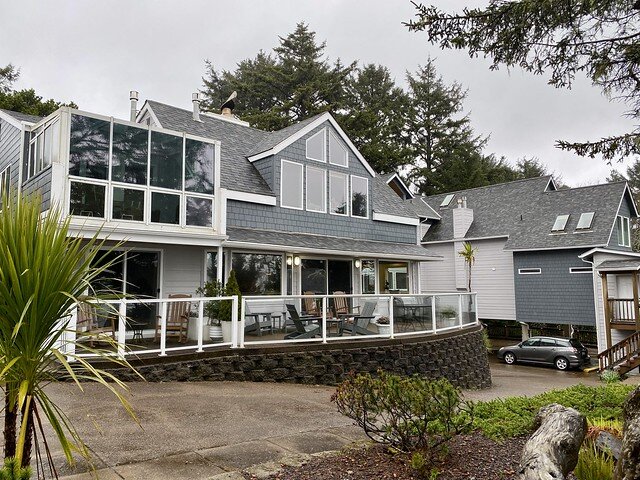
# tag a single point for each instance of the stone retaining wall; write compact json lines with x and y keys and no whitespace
{"x":459,"y":356}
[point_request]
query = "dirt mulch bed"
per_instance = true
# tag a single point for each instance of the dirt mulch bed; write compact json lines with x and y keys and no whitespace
{"x":471,"y":457}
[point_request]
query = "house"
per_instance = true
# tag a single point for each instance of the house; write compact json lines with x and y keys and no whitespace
{"x":533,"y":242}
{"x":197,"y":194}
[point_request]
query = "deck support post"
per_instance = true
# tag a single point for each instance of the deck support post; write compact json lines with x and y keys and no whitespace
{"x":607,"y":313}
{"x":636,"y":304}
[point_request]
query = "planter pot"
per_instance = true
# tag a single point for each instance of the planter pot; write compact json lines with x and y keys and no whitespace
{"x":215,"y":333}
{"x":384,"y":329}
{"x":226,"y":331}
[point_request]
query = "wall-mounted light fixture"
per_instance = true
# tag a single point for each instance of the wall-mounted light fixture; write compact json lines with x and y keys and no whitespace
{"x":357,"y":263}
{"x":289,"y":260}
{"x":296,"y":261}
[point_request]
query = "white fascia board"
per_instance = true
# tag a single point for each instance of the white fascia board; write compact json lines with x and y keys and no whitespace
{"x":571,"y":247}
{"x":406,"y":189}
{"x":143,"y":110}
{"x":383,"y":217}
{"x":436,"y":214}
{"x":13,"y":121}
{"x":250,"y":197}
{"x":627,"y":190}
{"x":470,"y":239}
{"x":607,"y":251}
{"x":301,"y":133}
{"x":341,"y":253}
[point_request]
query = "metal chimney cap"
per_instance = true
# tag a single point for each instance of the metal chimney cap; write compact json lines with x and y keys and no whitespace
{"x":133,"y":95}
{"x":195,"y":97}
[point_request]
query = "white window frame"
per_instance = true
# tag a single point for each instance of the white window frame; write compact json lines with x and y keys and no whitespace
{"x":559,"y":218}
{"x":5,"y":181}
{"x":282,"y":162}
{"x":346,"y":151}
{"x":351,"y":196}
{"x":590,"y":225}
{"x":146,"y":213}
{"x":324,"y":189}
{"x":588,"y":270}
{"x":348,"y":198}
{"x":322,"y":132}
{"x":623,"y":226}
{"x":530,"y":271}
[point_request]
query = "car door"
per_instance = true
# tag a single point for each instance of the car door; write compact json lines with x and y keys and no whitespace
{"x":546,"y":351}
{"x":527,"y":350}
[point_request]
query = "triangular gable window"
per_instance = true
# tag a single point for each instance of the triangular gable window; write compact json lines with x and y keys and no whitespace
{"x":338,"y":154}
{"x":316,"y":146}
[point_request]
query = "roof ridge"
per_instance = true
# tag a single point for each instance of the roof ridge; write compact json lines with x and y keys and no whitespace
{"x":596,"y":185}
{"x":520,"y":180}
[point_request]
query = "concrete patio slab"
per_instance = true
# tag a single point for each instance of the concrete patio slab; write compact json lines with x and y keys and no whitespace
{"x":314,"y":442}
{"x":243,"y":455}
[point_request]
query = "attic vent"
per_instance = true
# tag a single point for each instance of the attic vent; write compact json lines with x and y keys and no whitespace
{"x":560,"y":223}
{"x":586,"y":219}
{"x":447,"y":200}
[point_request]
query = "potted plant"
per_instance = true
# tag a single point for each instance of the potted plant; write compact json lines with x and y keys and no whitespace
{"x":448,"y":315}
{"x":226,"y":307}
{"x":212,"y":308}
{"x":384,"y":327}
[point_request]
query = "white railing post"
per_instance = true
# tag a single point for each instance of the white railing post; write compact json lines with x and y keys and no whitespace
{"x":434,"y":324}
{"x":200,"y":325}
{"x":475,"y":304}
{"x":163,"y":329}
{"x":234,"y":323}
{"x":122,"y":328}
{"x":460,"y":309}
{"x":70,"y":335}
{"x":324,"y":319}
{"x":391,"y":320}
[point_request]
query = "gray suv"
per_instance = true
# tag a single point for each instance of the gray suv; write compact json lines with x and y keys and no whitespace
{"x":563,"y":353}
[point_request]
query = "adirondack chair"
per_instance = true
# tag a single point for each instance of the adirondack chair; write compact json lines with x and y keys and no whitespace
{"x":93,"y":326}
{"x":177,"y":318}
{"x":341,"y":306}
{"x":362,"y":321}
{"x":311,"y":305}
{"x":302,"y":330}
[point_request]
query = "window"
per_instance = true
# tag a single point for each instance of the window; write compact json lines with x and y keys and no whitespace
{"x":198,"y":166}
{"x":258,"y":274}
{"x":447,"y":200}
{"x":5,"y":182}
{"x":338,"y":193}
{"x":394,"y":277}
{"x":130,"y":147}
{"x":87,"y":199}
{"x":128,"y":204}
{"x":89,"y":147}
{"x":316,"y":190}
{"x":368,"y":276}
{"x":560,"y":224}
{"x":166,"y":161}
{"x":291,"y":185}
{"x":211,"y":266}
{"x":580,"y":270}
{"x":316,"y":145}
{"x":624,"y":233}
{"x":44,"y":147}
{"x":199,"y":212}
{"x":359,"y":197}
{"x":165,"y":208}
{"x":585,"y":221}
{"x":338,"y":154}
{"x":529,"y":271}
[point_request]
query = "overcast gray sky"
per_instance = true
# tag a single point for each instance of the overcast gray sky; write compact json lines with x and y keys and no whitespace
{"x":95,"y":52}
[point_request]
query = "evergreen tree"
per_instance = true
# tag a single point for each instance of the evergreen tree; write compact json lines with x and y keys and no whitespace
{"x":374,"y":116}
{"x":8,"y":75}
{"x":530,"y":168}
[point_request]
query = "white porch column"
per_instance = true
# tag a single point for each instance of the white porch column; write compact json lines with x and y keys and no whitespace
{"x":219,"y":264}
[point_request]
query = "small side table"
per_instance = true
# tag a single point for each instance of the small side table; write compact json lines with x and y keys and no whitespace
{"x":137,"y":328}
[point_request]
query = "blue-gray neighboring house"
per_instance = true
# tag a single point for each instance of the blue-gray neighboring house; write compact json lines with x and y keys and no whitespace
{"x":531,"y":240}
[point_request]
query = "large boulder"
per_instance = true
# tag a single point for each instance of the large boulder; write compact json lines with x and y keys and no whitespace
{"x":628,"y":467}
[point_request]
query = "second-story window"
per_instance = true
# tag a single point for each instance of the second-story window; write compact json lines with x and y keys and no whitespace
{"x":316,"y":190}
{"x":129,"y":155}
{"x":166,"y":161}
{"x":315,"y":146}
{"x":291,"y":181}
{"x":89,"y":147}
{"x":624,"y":231}
{"x":338,"y":193}
{"x":44,"y":147}
{"x":338,"y":154}
{"x":359,"y":197}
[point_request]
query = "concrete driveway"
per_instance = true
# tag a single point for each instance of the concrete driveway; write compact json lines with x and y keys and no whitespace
{"x":207,"y":430}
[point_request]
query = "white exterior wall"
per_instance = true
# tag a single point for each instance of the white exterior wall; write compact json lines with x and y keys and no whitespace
{"x":182,"y":269}
{"x":491,"y":276}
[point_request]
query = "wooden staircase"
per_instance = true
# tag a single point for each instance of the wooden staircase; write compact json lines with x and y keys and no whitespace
{"x":622,"y":357}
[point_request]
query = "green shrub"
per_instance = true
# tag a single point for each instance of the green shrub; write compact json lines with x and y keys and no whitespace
{"x":226,"y":307}
{"x":593,"y":464}
{"x":12,"y":471}
{"x":610,"y":376}
{"x":486,"y":340}
{"x":407,"y":413}
{"x":213,"y":288}
{"x":514,"y":416}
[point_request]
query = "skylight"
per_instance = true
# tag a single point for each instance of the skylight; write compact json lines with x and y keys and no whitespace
{"x":447,"y":200}
{"x":560,"y":223}
{"x":586,"y":219}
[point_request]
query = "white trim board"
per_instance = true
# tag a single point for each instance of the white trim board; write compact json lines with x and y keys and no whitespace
{"x":308,"y":128}
{"x":384,"y":217}
{"x":13,"y":121}
{"x":471,"y":239}
{"x":250,"y":197}
{"x":406,"y":189}
{"x":608,"y":251}
{"x":144,"y":108}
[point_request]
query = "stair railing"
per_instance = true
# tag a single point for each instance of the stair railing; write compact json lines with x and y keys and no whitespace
{"x":620,"y":352}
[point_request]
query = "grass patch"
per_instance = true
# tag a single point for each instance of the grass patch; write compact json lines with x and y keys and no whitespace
{"x":514,"y":416}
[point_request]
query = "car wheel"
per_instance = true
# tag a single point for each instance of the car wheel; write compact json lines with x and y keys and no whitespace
{"x":509,"y":358}
{"x":561,"y":363}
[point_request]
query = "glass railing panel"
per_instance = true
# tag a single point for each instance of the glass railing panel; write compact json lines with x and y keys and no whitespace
{"x":447,"y":311}
{"x":412,"y":313}
{"x":469,"y":311}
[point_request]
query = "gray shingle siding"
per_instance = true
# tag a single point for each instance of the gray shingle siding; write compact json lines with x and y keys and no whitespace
{"x":625,"y":211}
{"x":556,"y":295}
{"x":10,"y":150}
{"x":40,"y":184}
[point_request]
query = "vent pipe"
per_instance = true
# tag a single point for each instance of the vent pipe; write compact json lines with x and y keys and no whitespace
{"x":195,"y":98}
{"x":133,"y":96}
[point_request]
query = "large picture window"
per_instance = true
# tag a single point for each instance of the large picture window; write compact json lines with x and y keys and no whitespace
{"x":316,"y":190}
{"x":129,"y":154}
{"x":89,"y":147}
{"x":394,"y":277}
{"x":338,"y":193}
{"x":338,"y":154}
{"x":291,"y":185}
{"x":87,"y":199}
{"x":166,"y":161}
{"x":198,"y":166}
{"x":258,"y":274}
{"x":359,"y":197}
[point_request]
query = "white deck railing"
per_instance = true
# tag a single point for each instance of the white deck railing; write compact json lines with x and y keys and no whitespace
{"x":266,"y":320}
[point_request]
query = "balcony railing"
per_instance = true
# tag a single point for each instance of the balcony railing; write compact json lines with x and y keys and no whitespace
{"x":162,"y":326}
{"x":621,"y":310}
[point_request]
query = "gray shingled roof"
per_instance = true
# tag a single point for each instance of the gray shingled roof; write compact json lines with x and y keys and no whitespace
{"x":319,"y":242}
{"x":524,"y":212}
{"x":387,"y":201}
{"x":236,"y":172}
{"x":619,"y":265}
{"x":274,"y":138}
{"x":22,"y":117}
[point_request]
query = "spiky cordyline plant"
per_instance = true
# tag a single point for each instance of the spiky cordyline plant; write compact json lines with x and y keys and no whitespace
{"x":43,"y":272}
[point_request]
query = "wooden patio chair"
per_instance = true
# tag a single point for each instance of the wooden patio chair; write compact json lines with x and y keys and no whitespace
{"x":361,"y":322}
{"x":177,"y":318}
{"x":341,"y":306}
{"x":92,"y":325}
{"x":311,"y":305}
{"x":302,"y":330}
